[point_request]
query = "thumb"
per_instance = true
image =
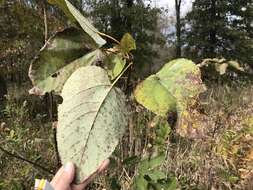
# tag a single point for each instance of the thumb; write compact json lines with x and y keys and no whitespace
{"x":66,"y":177}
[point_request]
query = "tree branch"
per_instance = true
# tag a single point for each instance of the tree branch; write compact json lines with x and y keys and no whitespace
{"x":26,"y":160}
{"x":45,"y":21}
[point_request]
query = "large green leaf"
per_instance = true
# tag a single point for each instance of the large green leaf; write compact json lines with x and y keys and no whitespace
{"x":176,"y":85}
{"x":62,"y":5}
{"x":115,"y":64}
{"x":154,"y":96}
{"x":75,"y":14}
{"x":91,"y":119}
{"x":61,"y":55}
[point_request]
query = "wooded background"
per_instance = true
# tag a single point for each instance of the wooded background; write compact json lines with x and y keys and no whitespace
{"x":211,"y":29}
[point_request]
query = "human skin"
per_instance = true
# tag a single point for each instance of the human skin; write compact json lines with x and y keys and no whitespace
{"x":63,"y":179}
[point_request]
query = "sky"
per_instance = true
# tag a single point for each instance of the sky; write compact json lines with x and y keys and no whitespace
{"x":170,"y":5}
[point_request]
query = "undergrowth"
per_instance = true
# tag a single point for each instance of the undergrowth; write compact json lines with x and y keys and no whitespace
{"x":221,"y":160}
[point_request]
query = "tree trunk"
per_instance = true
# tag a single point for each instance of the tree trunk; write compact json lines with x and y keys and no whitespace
{"x":115,"y":19}
{"x":129,"y":4}
{"x":178,"y":28}
{"x":213,"y":31}
{"x":3,"y":88}
{"x":45,"y":21}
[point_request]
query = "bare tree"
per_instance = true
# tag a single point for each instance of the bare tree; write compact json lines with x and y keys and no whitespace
{"x":178,"y":27}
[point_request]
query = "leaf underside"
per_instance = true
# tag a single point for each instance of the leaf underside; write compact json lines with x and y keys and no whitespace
{"x":91,"y":120}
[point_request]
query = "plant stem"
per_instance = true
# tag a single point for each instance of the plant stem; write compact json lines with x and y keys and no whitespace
{"x":51,"y":102}
{"x":121,"y":73}
{"x":56,"y":148}
{"x":107,"y":36}
{"x":26,"y":160}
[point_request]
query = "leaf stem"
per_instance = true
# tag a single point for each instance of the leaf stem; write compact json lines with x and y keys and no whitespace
{"x":114,"y":82}
{"x":26,"y":160}
{"x":111,"y":87}
{"x":108,"y":36}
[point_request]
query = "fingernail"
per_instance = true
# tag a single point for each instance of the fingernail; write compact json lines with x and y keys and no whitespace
{"x":68,"y":167}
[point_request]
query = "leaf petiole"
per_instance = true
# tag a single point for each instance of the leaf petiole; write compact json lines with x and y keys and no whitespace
{"x":118,"y":77}
{"x":108,"y":36}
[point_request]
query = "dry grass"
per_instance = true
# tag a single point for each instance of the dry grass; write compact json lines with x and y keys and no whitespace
{"x":221,"y":160}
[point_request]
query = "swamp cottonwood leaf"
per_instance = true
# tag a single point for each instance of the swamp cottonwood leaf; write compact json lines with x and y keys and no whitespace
{"x":154,"y":96}
{"x":61,"y":55}
{"x":183,"y":79}
{"x":91,"y":120}
{"x":115,"y":64}
{"x":86,"y":25}
{"x":62,"y":5}
{"x":74,"y":15}
{"x":175,"y":86}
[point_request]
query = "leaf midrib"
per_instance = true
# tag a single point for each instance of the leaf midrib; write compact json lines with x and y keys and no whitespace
{"x":92,"y":126}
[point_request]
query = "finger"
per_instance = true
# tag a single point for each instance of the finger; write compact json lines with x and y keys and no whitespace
{"x":57,"y":176}
{"x":104,"y":165}
{"x":87,"y":181}
{"x":78,"y":187}
{"x":66,"y":178}
{"x":82,"y":185}
{"x":101,"y":168}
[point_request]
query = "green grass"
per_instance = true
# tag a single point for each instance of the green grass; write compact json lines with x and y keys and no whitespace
{"x":29,"y":138}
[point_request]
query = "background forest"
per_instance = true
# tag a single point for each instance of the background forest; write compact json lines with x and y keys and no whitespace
{"x":215,"y":149}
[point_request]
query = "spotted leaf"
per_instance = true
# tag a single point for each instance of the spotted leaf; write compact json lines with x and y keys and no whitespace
{"x":175,"y":86}
{"x":91,"y":120}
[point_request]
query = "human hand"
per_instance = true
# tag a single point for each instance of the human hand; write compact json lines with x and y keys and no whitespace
{"x":64,"y":177}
